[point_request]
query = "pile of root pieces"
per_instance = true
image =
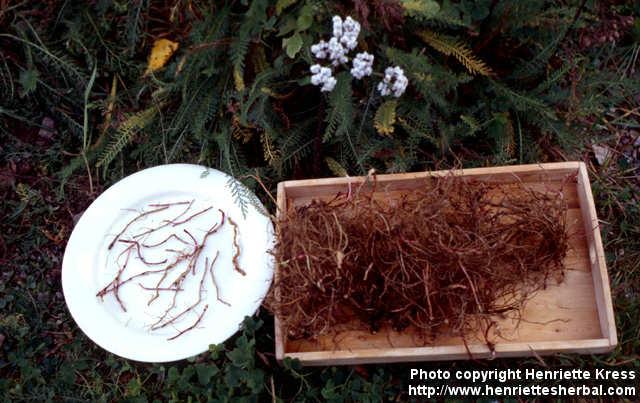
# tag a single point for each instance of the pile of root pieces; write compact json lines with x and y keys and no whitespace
{"x":448,"y":256}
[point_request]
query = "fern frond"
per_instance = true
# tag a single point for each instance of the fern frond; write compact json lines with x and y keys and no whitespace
{"x":297,"y":144}
{"x":416,"y":128}
{"x":239,"y":131}
{"x":254,"y":19}
{"x":59,"y":61}
{"x":340,"y":115}
{"x":135,"y":23}
{"x":433,"y":81}
{"x":385,"y":118}
{"x":125,"y":133}
{"x":451,"y":46}
{"x":244,"y":197}
{"x":472,"y":123}
{"x":271,"y":154}
{"x":509,"y":146}
{"x":523,"y":103}
{"x":233,"y":162}
{"x":259,"y":59}
{"x":502,"y":131}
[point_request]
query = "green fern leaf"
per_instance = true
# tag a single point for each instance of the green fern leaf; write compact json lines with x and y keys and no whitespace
{"x":472,"y":123}
{"x":125,"y":133}
{"x":340,"y":115}
{"x":255,"y":18}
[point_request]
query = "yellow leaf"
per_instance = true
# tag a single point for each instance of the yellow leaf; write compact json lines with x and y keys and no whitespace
{"x":385,"y":118}
{"x":335,"y":167}
{"x":271,"y":155}
{"x":160,"y":54}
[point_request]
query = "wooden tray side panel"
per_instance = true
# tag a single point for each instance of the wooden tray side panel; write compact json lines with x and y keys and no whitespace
{"x":279,"y":337}
{"x":391,"y":182}
{"x":445,"y":353}
{"x":596,"y":257}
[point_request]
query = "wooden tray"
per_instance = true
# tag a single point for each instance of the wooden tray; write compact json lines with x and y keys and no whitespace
{"x":575,"y":316}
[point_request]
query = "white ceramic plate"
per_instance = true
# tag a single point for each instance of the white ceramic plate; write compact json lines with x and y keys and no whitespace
{"x":89,"y":264}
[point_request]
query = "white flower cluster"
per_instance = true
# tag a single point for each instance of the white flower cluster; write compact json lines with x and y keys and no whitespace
{"x":346,"y":31}
{"x":394,"y":82}
{"x":344,"y":40}
{"x":320,"y":50}
{"x":322,"y":76}
{"x":332,"y":50}
{"x":362,"y":65}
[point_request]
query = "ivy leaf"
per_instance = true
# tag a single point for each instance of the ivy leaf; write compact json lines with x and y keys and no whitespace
{"x":206,"y":372}
{"x":215,"y":350}
{"x":329,"y":390}
{"x":29,"y":81}
{"x":242,"y":355}
{"x":233,"y":375}
{"x":292,"y":365}
{"x":292,"y":45}
{"x":255,"y":380}
{"x":250,"y":325}
{"x":385,"y":118}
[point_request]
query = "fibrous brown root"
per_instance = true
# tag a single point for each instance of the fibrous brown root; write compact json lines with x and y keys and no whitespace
{"x":187,"y":260}
{"x":236,"y":246}
{"x":446,"y":256}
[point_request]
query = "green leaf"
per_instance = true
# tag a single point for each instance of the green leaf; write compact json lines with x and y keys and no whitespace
{"x":255,"y":380}
{"x":206,"y":372}
{"x":292,"y":365}
{"x":251,"y":325}
{"x":282,"y":4}
{"x":289,"y":25}
{"x":305,"y":19}
{"x":339,"y":117}
{"x":292,"y":45}
{"x":421,"y":8}
{"x":234,"y":375}
{"x":29,"y":81}
{"x":304,"y":22}
{"x":215,"y":350}
{"x":242,"y":355}
{"x":173,"y":375}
